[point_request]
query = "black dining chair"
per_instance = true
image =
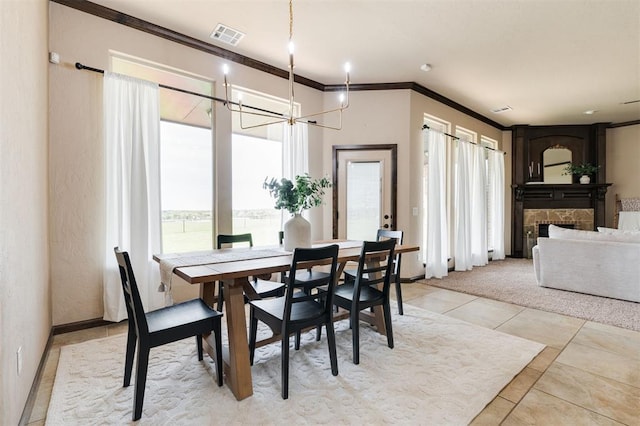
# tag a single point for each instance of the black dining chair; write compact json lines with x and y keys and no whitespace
{"x":264,"y":288}
{"x":302,"y":307}
{"x":384,"y":234}
{"x":159,"y":327}
{"x":363,"y":292}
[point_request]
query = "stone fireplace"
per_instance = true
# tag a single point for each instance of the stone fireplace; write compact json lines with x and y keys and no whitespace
{"x":540,"y":196}
{"x":567,"y":218}
{"x":579,"y":205}
{"x":579,"y":218}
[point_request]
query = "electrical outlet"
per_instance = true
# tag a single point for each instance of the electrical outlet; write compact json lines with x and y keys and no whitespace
{"x":19,"y":357}
{"x":415,"y":211}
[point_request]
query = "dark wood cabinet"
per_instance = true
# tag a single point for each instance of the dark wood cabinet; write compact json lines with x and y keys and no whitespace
{"x":587,"y":145}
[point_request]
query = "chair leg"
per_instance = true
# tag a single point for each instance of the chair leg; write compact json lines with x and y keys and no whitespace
{"x":331,"y":340}
{"x":399,"y":296}
{"x":199,"y":346}
{"x":141,"y":381}
{"x":128,"y":361}
{"x":318,"y":333}
{"x":387,"y":323}
{"x":355,"y":333}
{"x":297,"y":342}
{"x":285,"y":365}
{"x":217,"y":331}
{"x":253,"y":332}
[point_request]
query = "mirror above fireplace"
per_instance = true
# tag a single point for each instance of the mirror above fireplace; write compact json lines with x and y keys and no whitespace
{"x":554,"y":161}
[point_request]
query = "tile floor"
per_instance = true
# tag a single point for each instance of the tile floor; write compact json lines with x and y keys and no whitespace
{"x":589,"y":374}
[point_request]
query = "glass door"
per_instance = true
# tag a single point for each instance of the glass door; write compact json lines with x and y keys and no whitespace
{"x":365,"y":192}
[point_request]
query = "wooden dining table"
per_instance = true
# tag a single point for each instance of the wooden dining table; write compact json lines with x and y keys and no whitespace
{"x":234,"y":267}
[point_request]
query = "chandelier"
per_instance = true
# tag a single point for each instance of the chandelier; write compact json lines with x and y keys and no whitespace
{"x":290,"y":116}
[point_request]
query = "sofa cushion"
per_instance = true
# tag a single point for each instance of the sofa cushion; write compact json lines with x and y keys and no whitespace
{"x":559,"y":233}
{"x":627,"y":236}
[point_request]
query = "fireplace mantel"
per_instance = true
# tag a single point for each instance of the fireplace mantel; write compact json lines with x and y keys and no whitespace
{"x":554,"y":196}
{"x":560,"y":196}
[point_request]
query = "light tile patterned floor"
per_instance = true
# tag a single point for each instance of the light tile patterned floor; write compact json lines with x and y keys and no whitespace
{"x":588,"y":374}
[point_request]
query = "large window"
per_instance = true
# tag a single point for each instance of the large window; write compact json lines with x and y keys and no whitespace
{"x":186,"y":155}
{"x":253,"y":160}
{"x":257,"y":154}
{"x":186,"y":187}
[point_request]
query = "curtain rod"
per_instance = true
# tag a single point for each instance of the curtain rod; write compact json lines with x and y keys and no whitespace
{"x":177,"y":89}
{"x":426,"y":127}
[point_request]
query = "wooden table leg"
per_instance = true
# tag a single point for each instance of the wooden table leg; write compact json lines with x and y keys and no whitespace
{"x":237,"y":367}
{"x":236,"y":357}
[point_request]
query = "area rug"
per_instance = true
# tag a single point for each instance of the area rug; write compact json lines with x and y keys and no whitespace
{"x":513,"y":280}
{"x":442,"y":371}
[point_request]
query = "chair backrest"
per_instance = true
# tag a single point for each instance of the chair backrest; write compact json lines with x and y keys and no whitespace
{"x":302,"y":291}
{"x":374,"y":273}
{"x":385,"y":234}
{"x":232,"y":239}
{"x":135,"y":310}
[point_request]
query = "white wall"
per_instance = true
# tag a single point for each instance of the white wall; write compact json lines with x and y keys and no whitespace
{"x":25,"y":310}
{"x":623,"y":166}
{"x":377,"y":117}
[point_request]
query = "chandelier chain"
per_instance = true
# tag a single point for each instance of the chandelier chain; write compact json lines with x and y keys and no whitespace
{"x":290,"y":20}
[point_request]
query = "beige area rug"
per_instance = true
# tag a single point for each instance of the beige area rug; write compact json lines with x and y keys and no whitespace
{"x":442,"y":371}
{"x":513,"y":280}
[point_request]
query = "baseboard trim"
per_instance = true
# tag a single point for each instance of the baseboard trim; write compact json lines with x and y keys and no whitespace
{"x":33,"y":393}
{"x":80,"y":325}
{"x":55,"y":330}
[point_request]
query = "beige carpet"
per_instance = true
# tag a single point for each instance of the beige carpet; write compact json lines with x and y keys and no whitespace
{"x":513,"y":280}
{"x":442,"y":371}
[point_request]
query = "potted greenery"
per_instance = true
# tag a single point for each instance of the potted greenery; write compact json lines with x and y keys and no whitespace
{"x":584,"y":170}
{"x":295,"y":197}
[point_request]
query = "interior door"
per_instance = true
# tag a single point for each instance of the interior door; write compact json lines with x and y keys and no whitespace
{"x":364,"y":190}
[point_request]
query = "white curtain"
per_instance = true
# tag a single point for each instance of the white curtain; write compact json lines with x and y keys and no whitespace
{"x":479,"y":246}
{"x":496,"y":212}
{"x":436,"y":215}
{"x":471,"y":248}
{"x":132,"y":185}
{"x":463,"y":207}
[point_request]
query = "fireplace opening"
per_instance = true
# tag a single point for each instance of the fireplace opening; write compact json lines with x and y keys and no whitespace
{"x":543,"y":228}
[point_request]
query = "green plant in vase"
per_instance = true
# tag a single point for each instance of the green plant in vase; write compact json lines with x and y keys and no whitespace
{"x":299,"y":196}
{"x":584,"y":170}
{"x":295,"y":197}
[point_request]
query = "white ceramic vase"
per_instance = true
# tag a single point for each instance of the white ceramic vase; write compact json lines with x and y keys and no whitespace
{"x":297,"y":233}
{"x":584,"y":179}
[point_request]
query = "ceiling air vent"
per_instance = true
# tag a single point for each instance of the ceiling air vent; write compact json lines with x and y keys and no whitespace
{"x":502,"y":109}
{"x":227,"y":35}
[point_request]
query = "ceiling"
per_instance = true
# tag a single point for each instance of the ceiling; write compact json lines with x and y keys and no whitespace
{"x":549,"y":60}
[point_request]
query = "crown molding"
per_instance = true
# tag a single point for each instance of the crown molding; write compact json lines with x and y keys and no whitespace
{"x":167,"y":34}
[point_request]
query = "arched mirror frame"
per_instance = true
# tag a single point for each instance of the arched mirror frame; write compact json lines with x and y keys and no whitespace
{"x":554,"y":162}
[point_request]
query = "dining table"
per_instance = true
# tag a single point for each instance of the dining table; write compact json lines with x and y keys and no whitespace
{"x":234,"y":267}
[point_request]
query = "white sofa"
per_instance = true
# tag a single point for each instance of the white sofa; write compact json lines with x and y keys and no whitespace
{"x":604,"y":263}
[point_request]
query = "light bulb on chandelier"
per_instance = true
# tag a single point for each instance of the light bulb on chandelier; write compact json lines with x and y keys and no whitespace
{"x":290,"y":116}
